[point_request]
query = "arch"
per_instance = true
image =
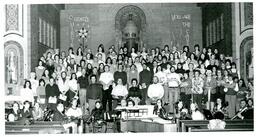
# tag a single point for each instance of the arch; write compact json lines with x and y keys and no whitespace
{"x":13,"y":47}
{"x":246,"y":57}
{"x":122,"y":17}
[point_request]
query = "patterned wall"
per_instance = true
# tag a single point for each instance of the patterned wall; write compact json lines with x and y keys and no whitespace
{"x":248,"y":14}
{"x":14,"y":19}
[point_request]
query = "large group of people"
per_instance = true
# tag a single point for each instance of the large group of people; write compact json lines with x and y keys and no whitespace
{"x":80,"y":81}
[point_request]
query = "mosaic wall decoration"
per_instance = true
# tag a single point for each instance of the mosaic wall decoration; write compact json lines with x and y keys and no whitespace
{"x":12,"y":17}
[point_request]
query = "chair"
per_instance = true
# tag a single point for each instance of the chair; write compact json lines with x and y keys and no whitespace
{"x":99,"y":126}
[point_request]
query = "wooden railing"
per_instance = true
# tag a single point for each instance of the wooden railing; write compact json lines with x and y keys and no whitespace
{"x":38,"y":127}
{"x":202,"y":125}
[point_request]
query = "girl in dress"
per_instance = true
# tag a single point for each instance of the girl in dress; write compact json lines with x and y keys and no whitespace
{"x":39,"y":70}
{"x":37,"y":112}
{"x":26,"y":92}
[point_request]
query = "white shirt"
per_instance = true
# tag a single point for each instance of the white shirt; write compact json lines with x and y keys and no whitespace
{"x":173,"y":79}
{"x":34,"y":85}
{"x":155,"y":91}
{"x":119,"y":90}
{"x":134,"y":55}
{"x":74,"y":112}
{"x":139,"y":67}
{"x":161,"y":76}
{"x":73,"y":84}
{"x":106,"y":77}
{"x":27,"y":94}
{"x":78,"y":74}
{"x":63,"y":86}
{"x":197,"y":115}
{"x":167,"y":71}
{"x":89,"y":61}
{"x":144,"y":55}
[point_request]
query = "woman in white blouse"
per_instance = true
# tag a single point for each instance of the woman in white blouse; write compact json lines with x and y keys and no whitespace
{"x":74,"y":112}
{"x":26,"y":92}
{"x":119,"y":92}
{"x":161,"y":75}
{"x":73,"y":87}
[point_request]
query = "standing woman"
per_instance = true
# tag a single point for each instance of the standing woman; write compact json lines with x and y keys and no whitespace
{"x":26,"y":92}
{"x":51,"y":94}
{"x":132,"y":74}
{"x":197,"y":89}
{"x":101,"y":51}
{"x":89,"y":58}
{"x":95,"y":72}
{"x":34,"y":84}
{"x":79,"y":55}
{"x":101,"y":68}
{"x":73,"y":88}
{"x":210,"y":84}
{"x":230,"y":96}
{"x":251,"y":90}
{"x":46,"y":76}
{"x":185,"y":90}
{"x":40,"y":90}
{"x":220,"y":86}
{"x":241,"y":94}
{"x":63,"y":87}
{"x":106,"y":79}
{"x":89,"y":69}
{"x":39,"y":70}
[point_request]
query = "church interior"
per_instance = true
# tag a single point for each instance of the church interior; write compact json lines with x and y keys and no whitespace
{"x":127,"y":67}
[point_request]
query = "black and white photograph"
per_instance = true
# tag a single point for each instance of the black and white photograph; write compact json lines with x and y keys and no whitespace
{"x":133,"y":67}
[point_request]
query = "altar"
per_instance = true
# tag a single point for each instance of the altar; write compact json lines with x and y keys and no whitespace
{"x":141,"y":119}
{"x":151,"y":125}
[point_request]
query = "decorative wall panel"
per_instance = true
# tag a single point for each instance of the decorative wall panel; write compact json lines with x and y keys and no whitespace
{"x":245,"y":16}
{"x":14,"y":19}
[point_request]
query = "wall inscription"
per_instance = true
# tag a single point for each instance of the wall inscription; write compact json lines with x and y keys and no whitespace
{"x":181,"y":29}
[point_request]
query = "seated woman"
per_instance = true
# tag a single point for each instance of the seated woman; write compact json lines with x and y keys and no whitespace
{"x":15,"y":113}
{"x":181,"y":112}
{"x":134,"y":92}
{"x":159,"y":110}
{"x":74,"y":112}
{"x":220,"y":106}
{"x":119,"y":92}
{"x":98,"y":117}
{"x":195,"y":113}
{"x":37,"y":112}
{"x":59,"y":114}
{"x":130,"y":103}
{"x":26,"y":112}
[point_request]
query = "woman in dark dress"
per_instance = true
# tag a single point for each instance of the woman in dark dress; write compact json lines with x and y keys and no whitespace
{"x":26,"y":112}
{"x":134,"y":92}
{"x":98,"y":118}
